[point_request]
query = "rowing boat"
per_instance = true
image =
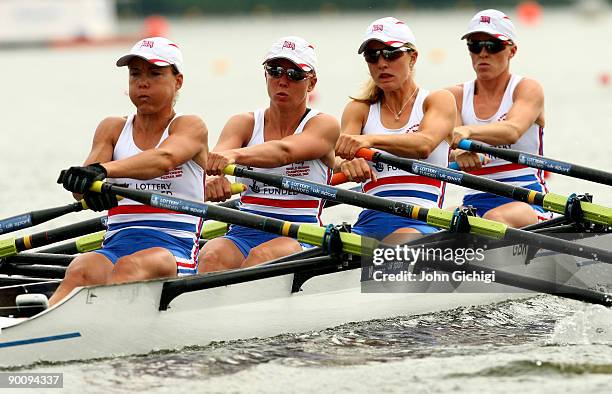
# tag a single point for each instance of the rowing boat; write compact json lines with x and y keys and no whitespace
{"x":308,"y":291}
{"x":337,"y":282}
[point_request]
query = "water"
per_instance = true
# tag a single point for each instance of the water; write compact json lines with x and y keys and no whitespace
{"x":53,"y":100}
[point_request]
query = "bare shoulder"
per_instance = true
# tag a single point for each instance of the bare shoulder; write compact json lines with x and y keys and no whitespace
{"x":242,"y":121}
{"x":110,"y":128}
{"x":324,"y":124}
{"x":323,"y":118}
{"x":457,"y":91}
{"x":441,"y":97}
{"x":358,"y":109}
{"x":191,"y":122}
{"x":529,"y":86}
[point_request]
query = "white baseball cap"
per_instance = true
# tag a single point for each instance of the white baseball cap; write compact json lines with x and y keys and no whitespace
{"x":295,"y":49}
{"x":390,"y":31}
{"x":156,"y":50}
{"x":494,"y":23}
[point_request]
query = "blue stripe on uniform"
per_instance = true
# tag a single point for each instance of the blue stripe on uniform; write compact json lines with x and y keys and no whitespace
{"x":290,"y":218}
{"x":408,"y":193}
{"x":189,"y":227}
{"x":523,"y":178}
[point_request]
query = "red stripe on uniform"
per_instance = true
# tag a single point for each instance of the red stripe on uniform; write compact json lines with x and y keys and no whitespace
{"x":281,"y":203}
{"x":393,"y":180}
{"x":137,"y":209}
{"x":496,"y":169}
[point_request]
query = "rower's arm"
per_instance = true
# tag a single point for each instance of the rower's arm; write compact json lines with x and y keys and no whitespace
{"x":104,"y":140}
{"x":236,"y":133}
{"x":437,"y":124}
{"x":187,"y":140}
{"x":354,"y":117}
{"x":527,"y":109}
{"x":316,"y":141}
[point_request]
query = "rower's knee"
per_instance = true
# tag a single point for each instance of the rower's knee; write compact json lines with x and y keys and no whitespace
{"x":82,"y":273}
{"x":258,"y":255}
{"x":147,"y":264}
{"x":216,"y":259}
{"x":266,"y":252}
{"x":515,"y":216}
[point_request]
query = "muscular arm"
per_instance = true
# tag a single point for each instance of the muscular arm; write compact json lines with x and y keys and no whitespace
{"x":436,"y":126}
{"x":187,"y":139}
{"x":527,"y":108}
{"x":354,"y":117}
{"x":316,"y":141}
{"x":104,"y":140}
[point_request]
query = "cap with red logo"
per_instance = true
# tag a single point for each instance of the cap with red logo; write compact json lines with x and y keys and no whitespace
{"x":156,"y":50}
{"x":295,"y":49}
{"x":494,"y":23}
{"x":390,"y":31}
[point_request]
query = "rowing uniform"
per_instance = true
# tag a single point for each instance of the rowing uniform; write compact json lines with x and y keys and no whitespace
{"x":271,"y":201}
{"x":397,"y":184}
{"x":502,"y":170}
{"x":133,"y":226}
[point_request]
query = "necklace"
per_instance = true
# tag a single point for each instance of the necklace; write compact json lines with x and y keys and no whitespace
{"x":398,"y":114}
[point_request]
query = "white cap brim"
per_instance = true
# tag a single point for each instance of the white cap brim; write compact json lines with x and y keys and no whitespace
{"x":490,"y":32}
{"x":125,"y":60}
{"x":293,"y":59}
{"x":394,"y":44}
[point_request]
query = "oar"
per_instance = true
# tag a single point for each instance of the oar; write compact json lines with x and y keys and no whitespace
{"x":33,"y":218}
{"x":539,"y":162}
{"x":307,"y":233}
{"x":12,"y":246}
{"x":593,"y":213}
{"x":433,"y":216}
{"x":88,"y":242}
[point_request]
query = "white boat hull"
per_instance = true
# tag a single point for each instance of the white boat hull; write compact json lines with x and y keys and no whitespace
{"x":117,"y":320}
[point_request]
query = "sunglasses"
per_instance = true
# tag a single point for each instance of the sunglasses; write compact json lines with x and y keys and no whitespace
{"x":294,"y":74}
{"x":372,"y":55}
{"x":492,"y":46}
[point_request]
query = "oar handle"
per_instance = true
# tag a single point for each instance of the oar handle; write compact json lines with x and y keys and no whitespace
{"x":465,"y":144}
{"x":339,"y":178}
{"x":365,"y":153}
{"x":237,"y":187}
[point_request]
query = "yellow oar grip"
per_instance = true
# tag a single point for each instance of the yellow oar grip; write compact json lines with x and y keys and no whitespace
{"x":238,"y":188}
{"x":229,"y":170}
{"x":96,"y":186}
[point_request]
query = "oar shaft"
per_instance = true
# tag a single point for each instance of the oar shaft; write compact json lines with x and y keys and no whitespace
{"x":9,"y":247}
{"x":540,"y":162}
{"x":314,"y":235}
{"x":552,"y":202}
{"x":455,"y":177}
{"x":19,"y":222}
{"x":434,"y":216}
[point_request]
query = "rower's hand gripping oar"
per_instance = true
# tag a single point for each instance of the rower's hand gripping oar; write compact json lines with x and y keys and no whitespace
{"x":539,"y":162}
{"x":433,"y":216}
{"x":569,"y":206}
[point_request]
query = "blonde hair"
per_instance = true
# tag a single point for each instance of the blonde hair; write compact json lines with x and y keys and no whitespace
{"x":371,"y":93}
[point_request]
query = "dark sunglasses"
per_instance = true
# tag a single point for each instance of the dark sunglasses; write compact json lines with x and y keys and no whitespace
{"x":372,"y":55}
{"x":492,"y":46}
{"x":294,"y":74}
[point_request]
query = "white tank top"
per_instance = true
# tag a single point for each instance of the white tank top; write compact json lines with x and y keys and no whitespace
{"x":398,"y":184}
{"x":283,"y":204}
{"x":530,"y":142}
{"x":185,"y":181}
